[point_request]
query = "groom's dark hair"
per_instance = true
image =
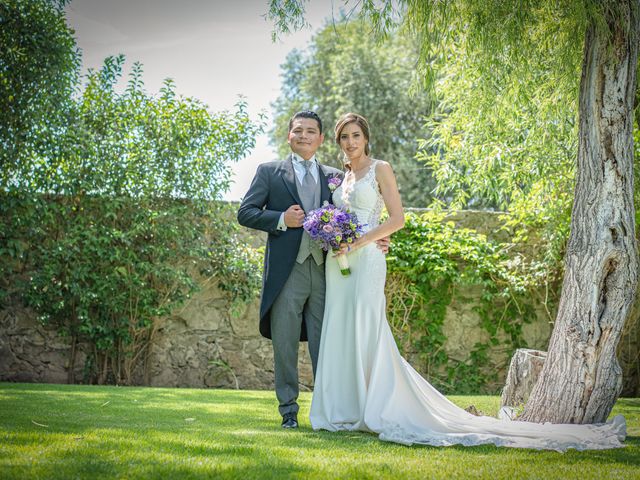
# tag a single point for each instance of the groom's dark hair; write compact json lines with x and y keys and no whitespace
{"x":306,"y":114}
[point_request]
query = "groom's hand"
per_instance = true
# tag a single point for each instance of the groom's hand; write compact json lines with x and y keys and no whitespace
{"x":294,"y":216}
{"x":383,"y":244}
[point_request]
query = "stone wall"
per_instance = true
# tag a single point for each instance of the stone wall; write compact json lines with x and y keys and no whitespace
{"x":29,"y":351}
{"x":204,"y":345}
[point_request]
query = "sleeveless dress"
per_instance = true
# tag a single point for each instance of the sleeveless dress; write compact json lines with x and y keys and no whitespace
{"x":363,"y":383}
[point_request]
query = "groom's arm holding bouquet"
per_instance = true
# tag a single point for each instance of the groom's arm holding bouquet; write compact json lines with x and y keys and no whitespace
{"x":254,"y":214}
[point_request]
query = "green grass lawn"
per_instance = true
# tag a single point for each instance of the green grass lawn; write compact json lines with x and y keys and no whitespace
{"x":72,"y":431}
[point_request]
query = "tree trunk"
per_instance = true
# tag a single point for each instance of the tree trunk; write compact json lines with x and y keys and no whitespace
{"x":581,"y":378}
{"x":524,"y":371}
{"x":72,"y":360}
{"x":629,"y":352}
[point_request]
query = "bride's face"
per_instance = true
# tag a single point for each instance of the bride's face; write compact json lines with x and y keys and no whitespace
{"x":353,"y":141}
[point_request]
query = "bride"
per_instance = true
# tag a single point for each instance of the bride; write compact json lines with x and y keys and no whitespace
{"x":362,"y":382}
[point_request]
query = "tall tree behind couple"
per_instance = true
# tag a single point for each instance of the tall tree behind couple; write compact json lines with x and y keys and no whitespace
{"x":361,"y":380}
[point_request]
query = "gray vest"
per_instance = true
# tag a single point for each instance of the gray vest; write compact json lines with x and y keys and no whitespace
{"x":310,"y":200}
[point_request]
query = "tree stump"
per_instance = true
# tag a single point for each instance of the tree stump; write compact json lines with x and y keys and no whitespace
{"x":526,"y":365}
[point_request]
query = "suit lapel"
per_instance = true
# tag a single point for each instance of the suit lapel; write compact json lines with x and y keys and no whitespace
{"x":289,"y":177}
{"x":325,"y":193}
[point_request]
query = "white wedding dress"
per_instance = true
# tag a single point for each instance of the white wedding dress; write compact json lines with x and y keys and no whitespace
{"x":363,"y":383}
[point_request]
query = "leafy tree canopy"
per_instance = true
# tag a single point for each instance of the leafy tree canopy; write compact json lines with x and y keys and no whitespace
{"x":106,"y":215}
{"x":39,"y":67}
{"x":346,"y":69}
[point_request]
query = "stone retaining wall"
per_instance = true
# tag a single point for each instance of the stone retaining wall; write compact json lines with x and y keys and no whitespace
{"x":204,"y":345}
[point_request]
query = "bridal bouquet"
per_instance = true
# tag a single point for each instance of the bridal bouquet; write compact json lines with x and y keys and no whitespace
{"x":330,"y":226}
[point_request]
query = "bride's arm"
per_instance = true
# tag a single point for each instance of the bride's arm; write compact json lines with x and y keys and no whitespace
{"x":393,"y":202}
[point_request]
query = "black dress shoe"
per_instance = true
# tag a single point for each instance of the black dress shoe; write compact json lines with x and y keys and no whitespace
{"x":290,"y":420}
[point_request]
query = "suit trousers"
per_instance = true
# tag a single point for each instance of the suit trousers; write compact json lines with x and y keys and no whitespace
{"x":302,"y":297}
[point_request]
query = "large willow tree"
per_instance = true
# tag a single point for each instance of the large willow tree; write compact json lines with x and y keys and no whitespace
{"x":581,"y":378}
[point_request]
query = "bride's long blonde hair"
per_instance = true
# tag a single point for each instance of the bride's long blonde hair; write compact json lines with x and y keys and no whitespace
{"x":342,"y":122}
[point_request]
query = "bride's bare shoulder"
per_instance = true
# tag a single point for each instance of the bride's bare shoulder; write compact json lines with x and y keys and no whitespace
{"x":383,"y":168}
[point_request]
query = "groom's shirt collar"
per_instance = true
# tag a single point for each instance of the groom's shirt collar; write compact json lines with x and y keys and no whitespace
{"x":298,"y":158}
{"x":298,"y":167}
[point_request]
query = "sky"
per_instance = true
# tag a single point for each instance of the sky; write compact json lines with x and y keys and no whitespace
{"x":214,"y":50}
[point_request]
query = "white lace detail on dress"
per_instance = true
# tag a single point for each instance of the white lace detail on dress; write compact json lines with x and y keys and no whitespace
{"x":374,"y":217}
{"x":602,"y":436}
{"x":362,"y":197}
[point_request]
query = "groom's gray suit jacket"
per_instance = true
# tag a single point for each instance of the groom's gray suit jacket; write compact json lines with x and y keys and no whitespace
{"x":273,"y":191}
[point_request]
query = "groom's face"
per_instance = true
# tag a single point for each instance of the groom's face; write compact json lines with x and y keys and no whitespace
{"x":305,"y":137}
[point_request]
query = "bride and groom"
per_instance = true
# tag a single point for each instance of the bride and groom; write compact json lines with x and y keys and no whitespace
{"x":361,"y":380}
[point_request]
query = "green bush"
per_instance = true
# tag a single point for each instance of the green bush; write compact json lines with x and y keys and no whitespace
{"x":429,"y":259}
{"x":118,"y":221}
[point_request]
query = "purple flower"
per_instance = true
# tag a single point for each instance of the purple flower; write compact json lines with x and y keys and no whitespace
{"x":329,"y":226}
{"x":334,"y":182}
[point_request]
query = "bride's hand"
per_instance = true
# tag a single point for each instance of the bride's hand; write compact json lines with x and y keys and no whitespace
{"x":346,"y":248}
{"x":384,"y":243}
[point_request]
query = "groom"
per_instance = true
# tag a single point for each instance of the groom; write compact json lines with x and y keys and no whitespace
{"x":293,"y":288}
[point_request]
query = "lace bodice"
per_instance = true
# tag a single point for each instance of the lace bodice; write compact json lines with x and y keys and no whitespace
{"x":362,"y":197}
